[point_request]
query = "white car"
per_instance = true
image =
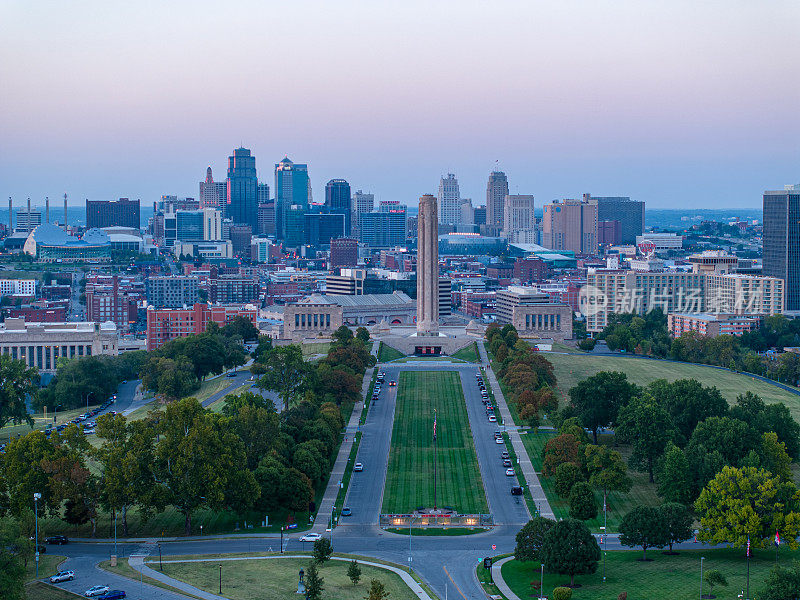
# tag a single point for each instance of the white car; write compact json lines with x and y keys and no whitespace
{"x":498,"y":440}
{"x":97,"y":590}
{"x":510,"y":472}
{"x":62,"y":576}
{"x":358,"y":467}
{"x":492,"y":419}
{"x":310,"y":537}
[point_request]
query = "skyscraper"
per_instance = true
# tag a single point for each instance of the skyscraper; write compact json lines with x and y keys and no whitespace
{"x":782,"y":239}
{"x":361,"y":203}
{"x":518,"y":217}
{"x":292,"y":188}
{"x":629,"y":213}
{"x":112,"y":213}
{"x":263,"y":192}
{"x":570,"y":225}
{"x":449,"y":200}
{"x":213,"y":194}
{"x":496,"y":192}
{"x":242,"y":201}
{"x":337,"y":200}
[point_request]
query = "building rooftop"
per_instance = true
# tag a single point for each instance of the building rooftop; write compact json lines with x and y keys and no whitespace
{"x":366,"y":300}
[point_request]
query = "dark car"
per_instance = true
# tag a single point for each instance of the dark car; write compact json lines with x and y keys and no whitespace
{"x":507,"y":462}
{"x":112,"y":595}
{"x":346,"y":512}
{"x":516,"y":491}
{"x":231,"y":374}
{"x":59,"y":540}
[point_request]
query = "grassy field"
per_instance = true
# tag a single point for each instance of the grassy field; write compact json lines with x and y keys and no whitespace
{"x":48,"y":565}
{"x":315,"y":348}
{"x":276,"y":579}
{"x":43,"y":591}
{"x":409,"y":481}
{"x":572,"y":369}
{"x":680,"y":575}
{"x":468,"y":353}
{"x":618,"y":504}
{"x":387,"y":353}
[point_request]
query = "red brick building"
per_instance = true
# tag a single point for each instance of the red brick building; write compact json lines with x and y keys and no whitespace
{"x":164,"y":324}
{"x":531,"y":270}
{"x":34,"y":314}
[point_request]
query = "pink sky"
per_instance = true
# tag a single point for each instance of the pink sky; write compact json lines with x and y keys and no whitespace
{"x":676,"y":103}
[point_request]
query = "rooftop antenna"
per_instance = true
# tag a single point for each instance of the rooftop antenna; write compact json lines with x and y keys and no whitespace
{"x":10,"y":220}
{"x":65,"y":211}
{"x":29,"y":214}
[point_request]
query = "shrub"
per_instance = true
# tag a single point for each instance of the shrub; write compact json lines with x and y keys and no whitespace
{"x":562,"y":593}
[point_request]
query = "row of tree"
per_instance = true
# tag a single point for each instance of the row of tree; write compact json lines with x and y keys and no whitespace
{"x":527,"y":378}
{"x":648,"y":335}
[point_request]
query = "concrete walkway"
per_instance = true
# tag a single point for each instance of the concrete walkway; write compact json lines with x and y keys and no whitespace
{"x":525,"y":464}
{"x":137,"y":563}
{"x":497,"y":578}
{"x":337,"y":473}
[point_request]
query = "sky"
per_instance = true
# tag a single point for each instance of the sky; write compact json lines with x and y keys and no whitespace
{"x":682,"y":104}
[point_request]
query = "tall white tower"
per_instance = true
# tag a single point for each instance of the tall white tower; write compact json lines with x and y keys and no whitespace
{"x":427,"y":267}
{"x":449,"y":200}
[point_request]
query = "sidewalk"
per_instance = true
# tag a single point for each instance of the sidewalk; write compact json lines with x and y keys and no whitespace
{"x":325,"y":510}
{"x":137,"y":563}
{"x":497,"y":578}
{"x":525,"y":465}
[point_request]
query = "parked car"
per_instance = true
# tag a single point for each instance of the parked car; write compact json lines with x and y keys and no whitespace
{"x":392,"y":383}
{"x":310,"y":537}
{"x":510,"y":472}
{"x":504,"y":455}
{"x":96,"y":590}
{"x":358,"y":467}
{"x":506,"y":462}
{"x":231,"y":374}
{"x":516,"y":490}
{"x":59,"y":540}
{"x":62,"y":576}
{"x":492,"y":419}
{"x":112,"y":595}
{"x":346,"y":512}
{"x":498,"y":440}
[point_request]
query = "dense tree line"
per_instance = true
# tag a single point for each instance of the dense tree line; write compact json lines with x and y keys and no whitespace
{"x":246,"y":457}
{"x":648,"y":336}
{"x":527,"y":378}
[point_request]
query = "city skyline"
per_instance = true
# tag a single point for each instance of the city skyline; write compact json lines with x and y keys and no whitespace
{"x":668,"y":105}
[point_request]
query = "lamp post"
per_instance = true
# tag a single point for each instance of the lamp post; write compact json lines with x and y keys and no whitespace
{"x":220,"y":580}
{"x":541,"y":582}
{"x":115,"y":534}
{"x":702,"y":558}
{"x":603,"y":529}
{"x":36,"y":497}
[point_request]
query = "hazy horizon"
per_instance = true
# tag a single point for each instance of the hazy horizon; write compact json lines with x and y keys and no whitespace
{"x":683,"y":104}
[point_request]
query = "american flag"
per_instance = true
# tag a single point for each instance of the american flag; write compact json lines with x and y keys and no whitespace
{"x":777,"y":538}
{"x":434,"y":425}
{"x":748,"y":545}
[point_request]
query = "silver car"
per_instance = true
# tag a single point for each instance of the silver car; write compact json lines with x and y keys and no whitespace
{"x":97,"y":590}
{"x":62,"y":576}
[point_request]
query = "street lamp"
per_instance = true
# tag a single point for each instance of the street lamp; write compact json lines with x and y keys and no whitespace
{"x":702,"y":558}
{"x":36,"y":497}
{"x":541,"y":583}
{"x":603,"y":529}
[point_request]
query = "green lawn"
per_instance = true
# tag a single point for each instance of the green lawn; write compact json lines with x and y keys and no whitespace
{"x":43,"y":591}
{"x":276,"y":579}
{"x":468,"y":353}
{"x":574,"y":368}
{"x":313,"y":348}
{"x":617,"y":503}
{"x":387,"y":353}
{"x":48,"y":565}
{"x":409,"y":481}
{"x":673,"y":577}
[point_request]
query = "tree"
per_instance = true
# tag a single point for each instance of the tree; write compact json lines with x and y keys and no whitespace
{"x":783,"y":583}
{"x":377,"y":591}
{"x":678,"y":521}
{"x":714,"y":577}
{"x":362,"y":334}
{"x":23,"y":474}
{"x":531,"y":538}
{"x":354,"y":571}
{"x":569,"y":548}
{"x":314,"y":583}
{"x":343,"y":335}
{"x":117,"y":493}
{"x":18,"y":383}
{"x":201,"y":462}
{"x":598,"y":399}
{"x":566,"y":476}
{"x":774,"y":457}
{"x":674,"y":479}
{"x":558,"y":450}
{"x":645,"y":425}
{"x":240,"y":327}
{"x":688,"y":402}
{"x":15,"y":548}
{"x":731,"y":437}
{"x":607,"y":471}
{"x":644,"y":526}
{"x":582,"y":505}
{"x":748,"y":503}
{"x":286,"y":373}
{"x":322,"y":550}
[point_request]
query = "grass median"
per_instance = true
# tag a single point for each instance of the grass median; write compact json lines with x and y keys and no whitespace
{"x":410,"y":477}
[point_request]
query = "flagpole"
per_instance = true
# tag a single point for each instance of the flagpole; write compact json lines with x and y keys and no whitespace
{"x":747,"y":596}
{"x":434,"y":460}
